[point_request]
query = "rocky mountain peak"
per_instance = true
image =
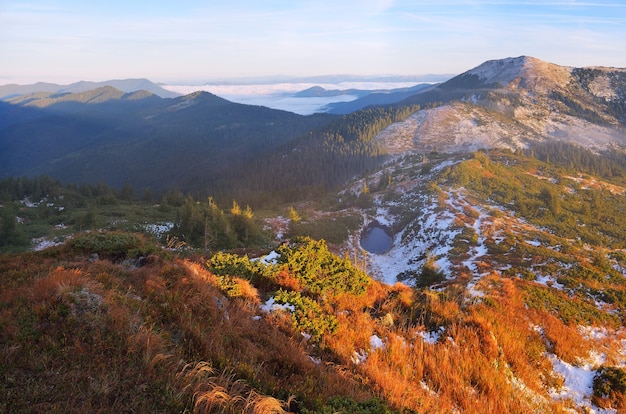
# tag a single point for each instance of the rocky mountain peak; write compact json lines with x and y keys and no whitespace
{"x":523,"y":72}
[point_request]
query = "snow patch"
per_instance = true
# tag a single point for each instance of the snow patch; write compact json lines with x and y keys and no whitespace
{"x":431,"y":337}
{"x":315,"y":360}
{"x":578,"y":382}
{"x":549,"y":281}
{"x":42,"y":243}
{"x":359,"y":357}
{"x":376,"y":343}
{"x":158,"y":229}
{"x":270,"y":258}
{"x":271,"y":306}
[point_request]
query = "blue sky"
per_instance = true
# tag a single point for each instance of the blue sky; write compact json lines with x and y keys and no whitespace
{"x":189,"y":40}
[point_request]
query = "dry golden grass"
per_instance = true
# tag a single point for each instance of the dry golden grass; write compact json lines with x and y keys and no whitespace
{"x":223,"y":393}
{"x":56,"y":283}
{"x":471,"y":366}
{"x":288,"y":281}
{"x":263,"y":404}
{"x":98,"y":337}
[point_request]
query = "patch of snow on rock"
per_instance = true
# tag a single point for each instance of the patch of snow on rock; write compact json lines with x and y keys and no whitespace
{"x":270,"y":258}
{"x":42,"y":243}
{"x":376,"y":342}
{"x":271,"y":306}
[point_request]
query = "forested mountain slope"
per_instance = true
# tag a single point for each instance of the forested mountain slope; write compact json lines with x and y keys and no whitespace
{"x":208,"y":146}
{"x":198,"y":143}
{"x":107,"y":135}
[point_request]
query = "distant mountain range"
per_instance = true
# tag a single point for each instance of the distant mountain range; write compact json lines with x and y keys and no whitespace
{"x":375,"y":97}
{"x":125,"y":85}
{"x":200,"y":142}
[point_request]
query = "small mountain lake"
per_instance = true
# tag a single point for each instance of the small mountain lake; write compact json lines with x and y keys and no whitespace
{"x":376,"y":239}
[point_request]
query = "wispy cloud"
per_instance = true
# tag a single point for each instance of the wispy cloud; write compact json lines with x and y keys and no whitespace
{"x":196,"y":38}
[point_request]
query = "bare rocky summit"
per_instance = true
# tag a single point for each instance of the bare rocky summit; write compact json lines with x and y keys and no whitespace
{"x":513,"y":102}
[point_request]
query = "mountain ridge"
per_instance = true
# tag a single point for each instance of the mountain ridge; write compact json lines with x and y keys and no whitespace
{"x":515,"y":102}
{"x":126,"y":85}
{"x":509,"y":103}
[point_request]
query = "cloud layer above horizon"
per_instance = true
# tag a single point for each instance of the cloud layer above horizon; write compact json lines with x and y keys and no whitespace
{"x":193,"y":40}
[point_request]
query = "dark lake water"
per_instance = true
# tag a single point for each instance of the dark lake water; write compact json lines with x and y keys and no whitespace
{"x":376,"y":240}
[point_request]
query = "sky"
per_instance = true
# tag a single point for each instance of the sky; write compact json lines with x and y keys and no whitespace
{"x":193,"y":41}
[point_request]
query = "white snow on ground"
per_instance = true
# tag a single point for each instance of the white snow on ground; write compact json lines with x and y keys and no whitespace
{"x":434,"y":237}
{"x":577,"y":385}
{"x":382,"y":217}
{"x":315,"y":360}
{"x":603,"y":336}
{"x":271,"y":306}
{"x":593,"y":332}
{"x":359,"y":357}
{"x":28,"y":203}
{"x":476,"y":252}
{"x":377,"y":343}
{"x":270,"y":258}
{"x":159,"y":229}
{"x":538,"y":400}
{"x":42,"y":243}
{"x":550,"y":281}
{"x":431,"y":337}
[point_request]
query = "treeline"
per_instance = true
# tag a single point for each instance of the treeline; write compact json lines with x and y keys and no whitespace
{"x":43,"y":187}
{"x":366,"y":124}
{"x":578,"y":108}
{"x":21,"y":187}
{"x":607,"y":164}
{"x":32,"y":207}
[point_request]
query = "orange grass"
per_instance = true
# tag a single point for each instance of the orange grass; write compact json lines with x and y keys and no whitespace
{"x":97,"y":337}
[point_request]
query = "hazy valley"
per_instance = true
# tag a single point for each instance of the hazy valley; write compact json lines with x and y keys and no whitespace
{"x":200,"y":255}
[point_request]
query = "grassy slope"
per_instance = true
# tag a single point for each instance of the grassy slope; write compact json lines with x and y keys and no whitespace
{"x":85,"y":334}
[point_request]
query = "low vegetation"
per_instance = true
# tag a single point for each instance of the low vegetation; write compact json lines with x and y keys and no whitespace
{"x":215,"y":316}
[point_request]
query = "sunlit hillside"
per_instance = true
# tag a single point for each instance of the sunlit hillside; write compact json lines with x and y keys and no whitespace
{"x":497,"y":202}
